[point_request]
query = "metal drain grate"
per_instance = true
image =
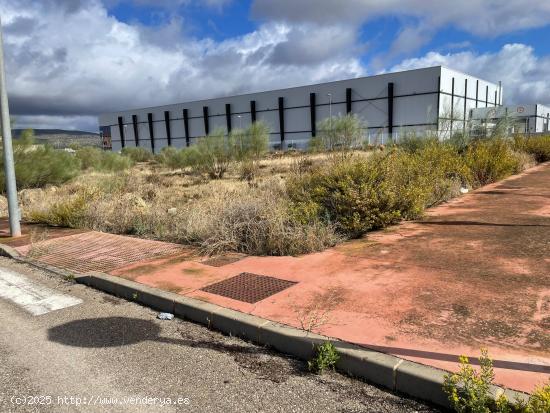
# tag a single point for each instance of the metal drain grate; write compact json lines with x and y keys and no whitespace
{"x":248,"y":287}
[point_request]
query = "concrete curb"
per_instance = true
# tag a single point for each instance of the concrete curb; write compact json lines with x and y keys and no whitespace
{"x":396,"y":374}
{"x":7,"y":251}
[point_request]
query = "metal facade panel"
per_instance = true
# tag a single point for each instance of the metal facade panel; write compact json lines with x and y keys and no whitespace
{"x":414,"y":110}
{"x":369,"y":102}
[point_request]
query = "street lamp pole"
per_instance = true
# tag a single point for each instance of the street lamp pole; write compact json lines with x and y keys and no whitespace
{"x":9,"y":169}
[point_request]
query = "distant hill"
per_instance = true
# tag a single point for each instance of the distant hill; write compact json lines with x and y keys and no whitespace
{"x":59,"y":138}
{"x":41,"y":132}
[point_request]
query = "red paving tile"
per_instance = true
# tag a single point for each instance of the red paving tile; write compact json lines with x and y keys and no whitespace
{"x":474,"y":273}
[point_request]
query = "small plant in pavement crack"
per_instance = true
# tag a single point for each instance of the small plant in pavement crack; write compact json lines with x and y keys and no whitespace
{"x":326,"y":356}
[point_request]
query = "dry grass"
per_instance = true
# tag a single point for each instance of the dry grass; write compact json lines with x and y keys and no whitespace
{"x":216,"y":215}
{"x":255,"y":209}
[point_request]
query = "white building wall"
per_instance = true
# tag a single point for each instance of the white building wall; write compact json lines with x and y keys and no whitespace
{"x":460,"y":93}
{"x":415,"y":107}
{"x":535,"y":117}
{"x":543,"y":119}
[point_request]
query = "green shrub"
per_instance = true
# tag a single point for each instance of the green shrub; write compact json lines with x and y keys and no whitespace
{"x":358,"y":195}
{"x":326,"y":357}
{"x":538,"y":402}
{"x":37,"y":166}
{"x":137,"y":154}
{"x":212,"y":154}
{"x":469,"y":391}
{"x":445,"y":169}
{"x":538,"y":146}
{"x":412,"y":143}
{"x":99,"y":160}
{"x":113,"y":162}
{"x":90,"y":157}
{"x":490,"y":160}
{"x":353,"y":195}
{"x":174,"y":158}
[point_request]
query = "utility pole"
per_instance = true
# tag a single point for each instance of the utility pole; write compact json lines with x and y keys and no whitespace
{"x":9,"y":169}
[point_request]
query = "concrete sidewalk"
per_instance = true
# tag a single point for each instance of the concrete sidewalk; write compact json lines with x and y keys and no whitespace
{"x":474,"y":273}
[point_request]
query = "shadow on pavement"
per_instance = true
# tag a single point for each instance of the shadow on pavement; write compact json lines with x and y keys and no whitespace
{"x":106,"y":332}
{"x":124,"y":331}
{"x":502,"y":364}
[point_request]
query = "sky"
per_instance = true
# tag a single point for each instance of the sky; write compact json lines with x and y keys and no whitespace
{"x":69,"y":60}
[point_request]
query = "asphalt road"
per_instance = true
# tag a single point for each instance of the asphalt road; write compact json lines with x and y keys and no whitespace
{"x":106,"y":354}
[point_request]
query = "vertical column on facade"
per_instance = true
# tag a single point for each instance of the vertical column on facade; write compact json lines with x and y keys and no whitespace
{"x":151,"y":131}
{"x":167,"y":124}
{"x":496,"y":94}
{"x":535,"y":119}
{"x":228,"y":116}
{"x":253,"y":111}
{"x":312,"y":114}
{"x":136,"y":131}
{"x":282,"y":119}
{"x":477,"y":92}
{"x":487,"y":96}
{"x":121,"y":131}
{"x":348,"y":100}
{"x":465,"y":100}
{"x":438,"y":103}
{"x":452,"y":107}
{"x":390,"y":109}
{"x":206,"y":123}
{"x":186,"y":127}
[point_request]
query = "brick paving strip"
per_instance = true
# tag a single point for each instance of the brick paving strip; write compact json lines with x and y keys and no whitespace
{"x":474,"y":273}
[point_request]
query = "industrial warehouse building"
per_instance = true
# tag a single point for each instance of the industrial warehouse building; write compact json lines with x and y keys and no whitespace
{"x":528,"y":119}
{"x":429,"y":100}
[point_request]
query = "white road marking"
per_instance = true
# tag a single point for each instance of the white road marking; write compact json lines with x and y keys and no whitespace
{"x":34,"y":298}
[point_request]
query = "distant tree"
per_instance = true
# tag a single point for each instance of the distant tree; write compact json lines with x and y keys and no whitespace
{"x":339,"y":134}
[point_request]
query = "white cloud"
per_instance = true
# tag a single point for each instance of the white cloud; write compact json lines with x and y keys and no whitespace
{"x":171,"y":4}
{"x":484,"y":18}
{"x":525,"y":76}
{"x":69,"y":60}
{"x":76,"y":60}
{"x":481,"y":17}
{"x":309,"y":43}
{"x":410,"y":38}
